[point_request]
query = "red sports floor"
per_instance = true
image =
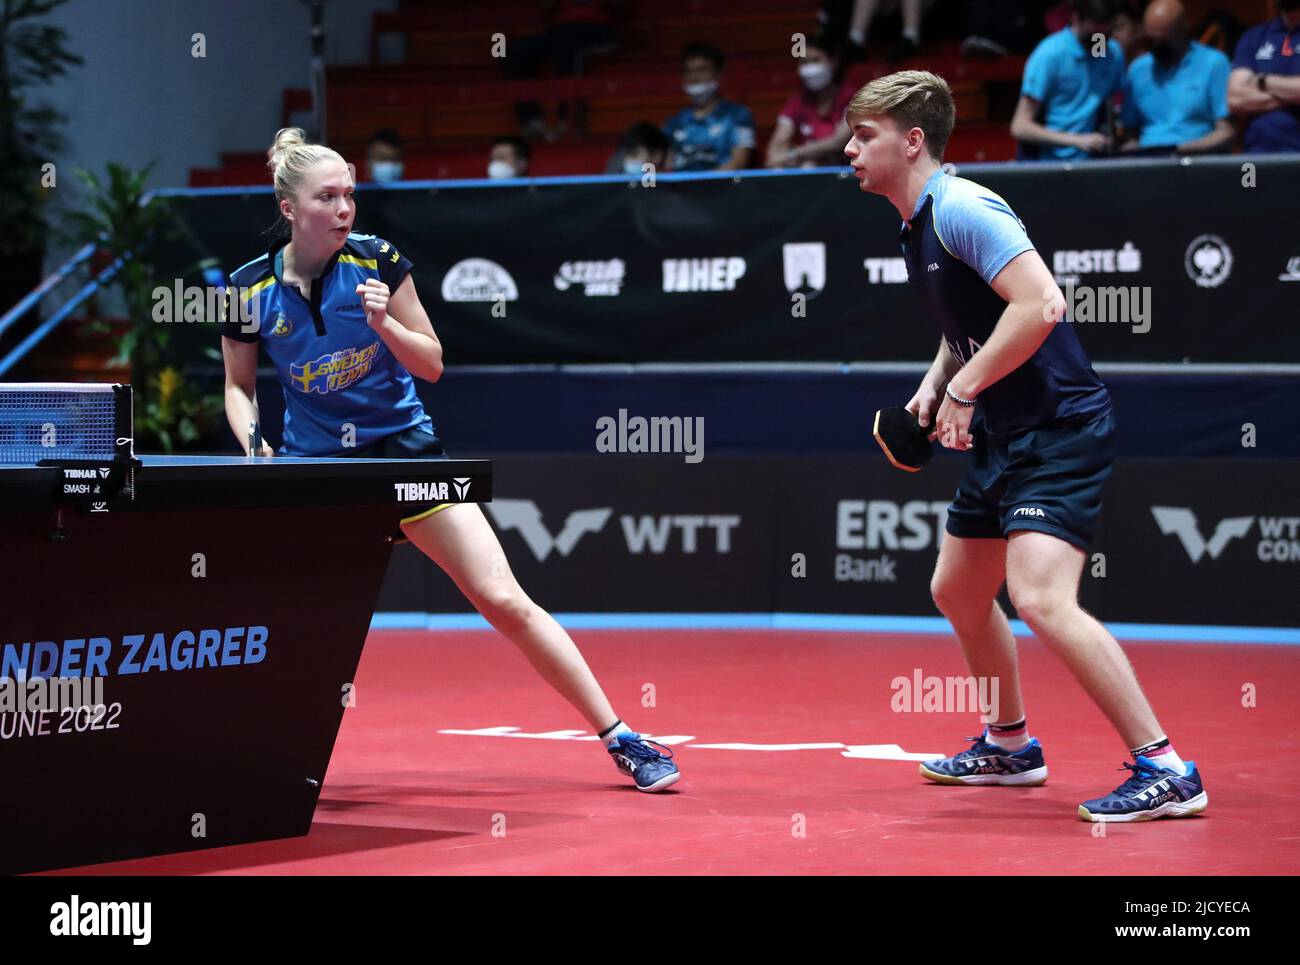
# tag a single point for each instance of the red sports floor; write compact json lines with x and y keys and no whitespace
{"x":402,"y":798}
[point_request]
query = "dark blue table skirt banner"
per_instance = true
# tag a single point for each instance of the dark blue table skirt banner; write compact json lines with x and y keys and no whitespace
{"x":1180,"y":541}
{"x":1160,"y":261}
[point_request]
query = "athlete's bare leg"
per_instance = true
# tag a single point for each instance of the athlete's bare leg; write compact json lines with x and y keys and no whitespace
{"x":462,"y":543}
{"x":1043,"y":581}
{"x":966,"y":581}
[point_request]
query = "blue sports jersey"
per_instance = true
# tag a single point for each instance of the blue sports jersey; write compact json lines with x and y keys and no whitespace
{"x":1172,"y":105}
{"x":702,"y":143}
{"x":1271,"y":49}
{"x":960,"y":237}
{"x":334,"y":368}
{"x":1072,"y":87}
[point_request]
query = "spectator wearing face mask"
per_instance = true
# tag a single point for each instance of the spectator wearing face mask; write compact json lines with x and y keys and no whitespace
{"x":384,"y":154}
{"x":1265,"y":81}
{"x":641,"y":144}
{"x":1066,"y":87}
{"x":712,"y":134}
{"x":1176,"y":95}
{"x":508,"y":158}
{"x":810,"y":131}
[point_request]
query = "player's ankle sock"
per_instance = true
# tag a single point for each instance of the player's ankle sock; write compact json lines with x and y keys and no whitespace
{"x":913,"y":35}
{"x":1010,"y":737}
{"x":859,"y":37}
{"x":609,"y":736}
{"x":1163,"y":753}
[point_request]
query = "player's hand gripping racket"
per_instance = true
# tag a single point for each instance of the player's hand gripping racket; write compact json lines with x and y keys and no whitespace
{"x":905,"y":443}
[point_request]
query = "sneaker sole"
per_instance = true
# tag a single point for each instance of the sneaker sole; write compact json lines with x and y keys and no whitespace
{"x":662,"y":783}
{"x":1030,"y":778}
{"x":1172,"y":809}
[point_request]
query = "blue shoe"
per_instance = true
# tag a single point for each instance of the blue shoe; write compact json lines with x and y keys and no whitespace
{"x":651,"y":770}
{"x":984,"y":763}
{"x":1150,"y":792}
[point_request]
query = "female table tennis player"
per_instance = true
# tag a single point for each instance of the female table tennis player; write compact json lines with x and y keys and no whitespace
{"x":340,"y":318}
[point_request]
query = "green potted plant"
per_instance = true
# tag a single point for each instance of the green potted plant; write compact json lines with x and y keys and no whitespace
{"x":170,"y":412}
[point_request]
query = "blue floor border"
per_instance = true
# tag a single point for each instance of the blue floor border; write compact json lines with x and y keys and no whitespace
{"x":1166,"y":632}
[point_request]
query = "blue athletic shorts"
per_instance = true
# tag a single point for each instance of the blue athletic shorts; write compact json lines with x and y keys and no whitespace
{"x":1048,"y":479}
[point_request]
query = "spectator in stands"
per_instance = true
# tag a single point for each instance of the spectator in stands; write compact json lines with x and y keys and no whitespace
{"x":384,"y":156}
{"x":1066,"y":87}
{"x":641,"y":144}
{"x":997,"y":27}
{"x":712,"y":134}
{"x":1265,"y":81}
{"x":1127,"y":30}
{"x":1176,"y":95}
{"x":509,"y":158}
{"x":575,"y":29}
{"x":810,"y":131}
{"x":861,"y":13}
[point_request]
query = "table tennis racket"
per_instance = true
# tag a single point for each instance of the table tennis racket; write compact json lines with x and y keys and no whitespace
{"x":904,"y":441}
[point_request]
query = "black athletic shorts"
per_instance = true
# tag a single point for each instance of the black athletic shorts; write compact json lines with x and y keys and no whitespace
{"x":1047,"y":479}
{"x":417,"y":442}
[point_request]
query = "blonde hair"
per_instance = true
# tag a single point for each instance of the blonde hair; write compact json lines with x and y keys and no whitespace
{"x":290,"y":157}
{"x":910,"y":98}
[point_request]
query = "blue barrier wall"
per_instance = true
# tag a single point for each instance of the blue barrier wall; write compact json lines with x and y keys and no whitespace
{"x":828,"y":409}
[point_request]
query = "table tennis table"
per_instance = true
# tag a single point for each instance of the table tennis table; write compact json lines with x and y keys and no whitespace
{"x":220,"y":605}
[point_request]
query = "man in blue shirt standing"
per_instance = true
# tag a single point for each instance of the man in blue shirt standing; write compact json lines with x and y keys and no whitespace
{"x":1012,"y":387}
{"x":1177,"y":94}
{"x":1265,"y":81}
{"x":712,"y":134}
{"x":1069,"y":78}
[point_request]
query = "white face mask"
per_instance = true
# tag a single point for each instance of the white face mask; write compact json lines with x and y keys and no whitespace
{"x":701,"y":93}
{"x":500,"y":169}
{"x":815,"y":76}
{"x":386,"y":170}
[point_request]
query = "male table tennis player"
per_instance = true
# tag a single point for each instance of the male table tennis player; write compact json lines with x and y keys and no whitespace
{"x":1012,"y":387}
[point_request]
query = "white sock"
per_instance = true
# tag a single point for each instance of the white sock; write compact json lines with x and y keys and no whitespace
{"x":610,"y":737}
{"x":859,"y":37}
{"x":1010,"y":737}
{"x":913,"y":35}
{"x":1162,"y":752}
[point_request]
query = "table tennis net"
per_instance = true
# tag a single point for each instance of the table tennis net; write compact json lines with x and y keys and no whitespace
{"x":63,"y":420}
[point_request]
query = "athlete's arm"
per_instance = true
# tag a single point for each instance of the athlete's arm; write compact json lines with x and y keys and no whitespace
{"x":1034,"y":304}
{"x":930,"y":392}
{"x":403,"y":324}
{"x":241,"y":389}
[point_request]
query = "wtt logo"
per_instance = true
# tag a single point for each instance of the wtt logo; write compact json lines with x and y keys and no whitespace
{"x":641,"y":533}
{"x":1279,"y":536}
{"x":1181,"y":522}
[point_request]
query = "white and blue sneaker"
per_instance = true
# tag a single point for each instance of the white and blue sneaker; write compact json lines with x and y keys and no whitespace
{"x":1150,"y":792}
{"x":985,"y":763}
{"x":651,"y":770}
